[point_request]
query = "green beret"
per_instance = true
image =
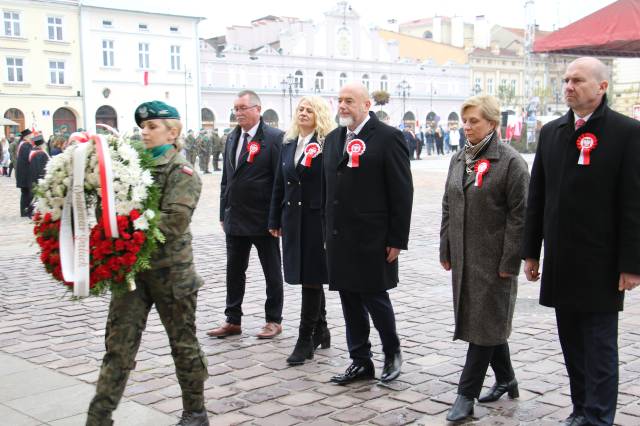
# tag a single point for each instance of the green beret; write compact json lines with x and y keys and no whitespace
{"x":155,"y":110}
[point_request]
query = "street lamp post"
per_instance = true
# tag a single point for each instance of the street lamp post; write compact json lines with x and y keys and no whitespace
{"x":404,"y":89}
{"x":289,"y":85}
{"x":187,"y":77}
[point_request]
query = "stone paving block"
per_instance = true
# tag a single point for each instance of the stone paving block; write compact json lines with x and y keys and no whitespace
{"x":353,"y":415}
{"x":264,"y":409}
{"x":430,"y":407}
{"x":265,"y":394}
{"x":626,"y":420}
{"x":31,"y":382}
{"x":226,"y":405}
{"x":383,"y":405}
{"x":409,"y":396}
{"x":310,"y":412}
{"x":256,"y":383}
{"x":172,"y":405}
{"x":341,"y":401}
{"x":298,"y":399}
{"x":280,"y":419}
{"x":397,"y":418}
{"x":16,"y":418}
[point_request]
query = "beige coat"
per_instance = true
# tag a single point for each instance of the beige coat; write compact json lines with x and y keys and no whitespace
{"x":481,"y":234}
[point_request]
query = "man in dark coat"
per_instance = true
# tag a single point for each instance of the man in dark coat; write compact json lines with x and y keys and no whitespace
{"x":367,"y":202}
{"x":583,"y":202}
{"x":22,"y":172}
{"x":38,"y":159}
{"x":249,"y":168}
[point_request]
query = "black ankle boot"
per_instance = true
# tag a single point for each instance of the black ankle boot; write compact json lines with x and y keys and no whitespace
{"x":461,"y":409}
{"x":321,"y":333}
{"x":302,"y":352}
{"x":499,"y":389}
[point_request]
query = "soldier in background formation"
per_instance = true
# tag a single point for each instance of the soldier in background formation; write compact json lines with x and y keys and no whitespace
{"x":204,"y":148}
{"x":216,"y":149}
{"x":190,"y":147}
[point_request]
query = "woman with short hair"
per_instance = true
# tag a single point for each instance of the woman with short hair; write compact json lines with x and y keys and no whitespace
{"x":482,"y":224}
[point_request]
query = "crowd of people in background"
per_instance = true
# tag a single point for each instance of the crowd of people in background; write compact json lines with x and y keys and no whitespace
{"x":434,"y":138}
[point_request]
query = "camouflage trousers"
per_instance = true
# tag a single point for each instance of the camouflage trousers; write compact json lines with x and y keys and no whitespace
{"x":191,"y":156}
{"x":203,"y":159}
{"x":171,"y":291}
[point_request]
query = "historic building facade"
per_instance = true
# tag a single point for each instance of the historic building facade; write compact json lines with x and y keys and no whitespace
{"x":41,"y":83}
{"x":284,"y":58}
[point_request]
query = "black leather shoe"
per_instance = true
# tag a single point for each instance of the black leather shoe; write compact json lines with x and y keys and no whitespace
{"x":575,"y":420}
{"x":461,"y":409}
{"x":391,"y":369}
{"x":354,"y":373}
{"x":499,"y":389}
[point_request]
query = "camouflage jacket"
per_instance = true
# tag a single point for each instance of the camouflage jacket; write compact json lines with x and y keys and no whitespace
{"x":180,"y":188}
{"x":190,"y":142}
{"x":216,"y":143}
{"x":203,"y":143}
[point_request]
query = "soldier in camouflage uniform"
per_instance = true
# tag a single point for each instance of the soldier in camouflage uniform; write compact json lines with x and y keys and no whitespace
{"x":136,"y":135}
{"x":216,"y":149}
{"x":171,"y":284}
{"x":203,"y":142}
{"x":190,"y":147}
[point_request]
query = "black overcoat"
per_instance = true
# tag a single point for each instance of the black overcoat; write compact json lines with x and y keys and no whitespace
{"x":38,"y":160}
{"x":367,"y":208}
{"x":588,"y":216}
{"x":245,"y":191}
{"x":295,"y":208}
{"x":22,"y":165}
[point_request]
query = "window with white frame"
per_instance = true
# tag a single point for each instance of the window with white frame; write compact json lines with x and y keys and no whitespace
{"x":343,"y":79}
{"x":15,"y":70}
{"x":365,"y":80}
{"x":143,"y":27}
{"x":175,"y":58}
{"x":384,"y":83}
{"x":108,"y":53}
{"x":299,"y":79}
{"x":56,"y":72}
{"x":107,"y":23}
{"x":175,"y":30}
{"x":490,"y":86}
{"x":319,"y":83}
{"x":11,"y":23}
{"x":54,"y":28}
{"x":143,"y":55}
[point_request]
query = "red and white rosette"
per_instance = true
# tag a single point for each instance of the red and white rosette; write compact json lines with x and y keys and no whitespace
{"x":253,"y":148}
{"x":74,"y":233}
{"x":311,"y":151}
{"x":355,"y":149}
{"x":586,"y":143}
{"x":481,"y":168}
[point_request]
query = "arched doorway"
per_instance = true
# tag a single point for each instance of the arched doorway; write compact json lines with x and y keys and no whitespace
{"x":409,"y":120}
{"x":14,"y":114}
{"x":64,"y":122}
{"x":432,"y":118}
{"x":233,"y":121}
{"x":270,"y":117}
{"x":453,"y":120}
{"x":208,"y":118}
{"x":382,"y":116}
{"x":106,"y":115}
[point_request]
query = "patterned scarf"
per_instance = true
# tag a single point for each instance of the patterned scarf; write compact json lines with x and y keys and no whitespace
{"x":472,"y":152}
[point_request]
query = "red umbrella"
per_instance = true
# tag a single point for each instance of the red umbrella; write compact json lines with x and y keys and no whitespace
{"x":610,"y":31}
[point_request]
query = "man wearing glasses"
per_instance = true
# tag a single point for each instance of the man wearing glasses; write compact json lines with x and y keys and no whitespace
{"x":249,"y":166}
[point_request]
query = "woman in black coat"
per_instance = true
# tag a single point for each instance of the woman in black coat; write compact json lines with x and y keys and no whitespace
{"x":296,"y":216}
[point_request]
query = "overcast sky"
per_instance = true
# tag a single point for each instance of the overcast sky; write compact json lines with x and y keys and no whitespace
{"x":549,"y":13}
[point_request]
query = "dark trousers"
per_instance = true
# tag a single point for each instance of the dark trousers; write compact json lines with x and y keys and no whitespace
{"x":25,"y":201}
{"x":418,"y":150}
{"x":216,"y":157}
{"x":475,"y":368}
{"x":589,"y":343}
{"x":356,"y":308}
{"x":238,"y":249}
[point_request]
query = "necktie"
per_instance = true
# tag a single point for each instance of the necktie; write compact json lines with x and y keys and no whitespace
{"x":350,"y":136}
{"x":579,"y":123}
{"x":243,"y":149}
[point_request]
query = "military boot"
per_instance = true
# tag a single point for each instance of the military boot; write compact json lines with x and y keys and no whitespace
{"x":194,"y":418}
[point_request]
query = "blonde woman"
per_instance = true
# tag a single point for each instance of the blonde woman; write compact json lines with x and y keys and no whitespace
{"x":296,"y":216}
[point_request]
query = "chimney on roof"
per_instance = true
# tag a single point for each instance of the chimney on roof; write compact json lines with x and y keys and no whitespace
{"x":481,"y":36}
{"x":436,"y":29}
{"x":457,"y":31}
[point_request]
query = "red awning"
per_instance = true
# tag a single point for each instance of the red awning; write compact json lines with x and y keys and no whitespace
{"x":610,"y":31}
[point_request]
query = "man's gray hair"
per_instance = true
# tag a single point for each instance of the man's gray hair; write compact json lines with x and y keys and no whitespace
{"x":253,"y":97}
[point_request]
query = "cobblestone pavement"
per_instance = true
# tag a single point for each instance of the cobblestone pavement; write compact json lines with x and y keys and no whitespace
{"x":250,"y":381}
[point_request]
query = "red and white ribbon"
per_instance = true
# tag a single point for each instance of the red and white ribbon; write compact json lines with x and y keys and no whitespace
{"x":481,"y":168}
{"x":586,"y":143}
{"x":311,"y":151}
{"x":253,"y":148}
{"x":74,"y":244}
{"x":355,"y":149}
